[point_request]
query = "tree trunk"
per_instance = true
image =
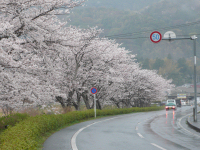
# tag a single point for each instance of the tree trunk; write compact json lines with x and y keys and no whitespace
{"x":98,"y":105}
{"x":69,"y":99}
{"x":78,"y":100}
{"x":117,"y":104}
{"x":86,"y":100}
{"x":75,"y":105}
{"x":61,"y":101}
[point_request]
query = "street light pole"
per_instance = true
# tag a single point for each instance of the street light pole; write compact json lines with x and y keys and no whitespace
{"x":195,"y":88}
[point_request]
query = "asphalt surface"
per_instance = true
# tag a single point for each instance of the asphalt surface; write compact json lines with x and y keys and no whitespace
{"x":194,"y":124}
{"x":146,"y":130}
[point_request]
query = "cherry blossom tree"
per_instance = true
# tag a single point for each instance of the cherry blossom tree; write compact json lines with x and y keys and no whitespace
{"x":29,"y":35}
{"x":42,"y":60}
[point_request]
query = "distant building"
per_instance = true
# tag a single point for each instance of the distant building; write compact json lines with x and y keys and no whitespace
{"x":184,"y":93}
{"x":187,"y":85}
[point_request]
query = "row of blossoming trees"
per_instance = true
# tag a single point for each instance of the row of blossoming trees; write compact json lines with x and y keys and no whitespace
{"x":42,"y":61}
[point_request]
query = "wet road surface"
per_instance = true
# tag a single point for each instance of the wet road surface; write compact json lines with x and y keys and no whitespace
{"x":165,"y":130}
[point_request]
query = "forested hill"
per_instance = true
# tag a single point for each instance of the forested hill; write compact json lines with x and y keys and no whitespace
{"x":121,"y":5}
{"x":131,"y":16}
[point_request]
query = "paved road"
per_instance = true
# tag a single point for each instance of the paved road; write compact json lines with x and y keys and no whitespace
{"x":147,"y":130}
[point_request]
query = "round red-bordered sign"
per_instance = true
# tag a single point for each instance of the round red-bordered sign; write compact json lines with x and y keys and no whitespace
{"x":156,"y":37}
{"x":93,"y":90}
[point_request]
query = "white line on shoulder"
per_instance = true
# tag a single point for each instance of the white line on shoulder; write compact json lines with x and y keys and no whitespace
{"x":73,"y":140}
{"x":158,"y":146}
{"x":179,"y":122}
{"x":140,"y":135}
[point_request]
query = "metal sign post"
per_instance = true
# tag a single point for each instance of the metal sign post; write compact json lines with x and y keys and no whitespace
{"x":95,"y":105}
{"x":94,"y":91}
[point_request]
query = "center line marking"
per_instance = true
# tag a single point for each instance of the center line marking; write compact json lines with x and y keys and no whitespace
{"x":140,"y":135}
{"x":158,"y":146}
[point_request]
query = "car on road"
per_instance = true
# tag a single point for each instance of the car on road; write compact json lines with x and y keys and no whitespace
{"x":170,"y":106}
{"x":183,"y":102}
{"x":171,"y":101}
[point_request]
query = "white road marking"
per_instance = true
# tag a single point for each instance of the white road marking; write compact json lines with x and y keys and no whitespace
{"x":158,"y":146}
{"x":179,"y":122}
{"x":140,"y":135}
{"x":73,"y":140}
{"x":136,"y":128}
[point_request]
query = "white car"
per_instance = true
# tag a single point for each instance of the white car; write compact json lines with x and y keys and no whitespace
{"x":183,"y":102}
{"x":171,"y":101}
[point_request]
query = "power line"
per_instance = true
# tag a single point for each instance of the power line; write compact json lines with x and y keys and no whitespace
{"x":136,"y":33}
{"x":132,"y":38}
{"x":121,"y":38}
{"x":182,"y":25}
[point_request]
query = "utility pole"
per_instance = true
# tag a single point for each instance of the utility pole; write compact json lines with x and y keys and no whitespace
{"x":195,"y":60}
{"x":195,"y":85}
{"x":156,"y":37}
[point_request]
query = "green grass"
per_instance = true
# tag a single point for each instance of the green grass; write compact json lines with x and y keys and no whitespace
{"x":11,"y":120}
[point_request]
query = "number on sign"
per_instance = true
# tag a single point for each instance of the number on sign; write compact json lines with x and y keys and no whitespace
{"x":155,"y":36}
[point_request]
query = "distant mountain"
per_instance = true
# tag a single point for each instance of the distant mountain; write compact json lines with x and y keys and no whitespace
{"x":118,"y":17}
{"x":134,"y":5}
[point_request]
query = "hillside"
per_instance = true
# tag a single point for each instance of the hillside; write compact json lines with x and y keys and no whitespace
{"x":130,"y":16}
{"x":135,"y":5}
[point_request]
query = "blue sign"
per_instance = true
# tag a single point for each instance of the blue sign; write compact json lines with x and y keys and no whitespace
{"x":155,"y":37}
{"x":93,"y":90}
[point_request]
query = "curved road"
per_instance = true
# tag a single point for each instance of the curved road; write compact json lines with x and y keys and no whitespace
{"x":164,"y":130}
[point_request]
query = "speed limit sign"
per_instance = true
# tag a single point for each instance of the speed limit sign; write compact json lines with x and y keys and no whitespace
{"x":156,"y":37}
